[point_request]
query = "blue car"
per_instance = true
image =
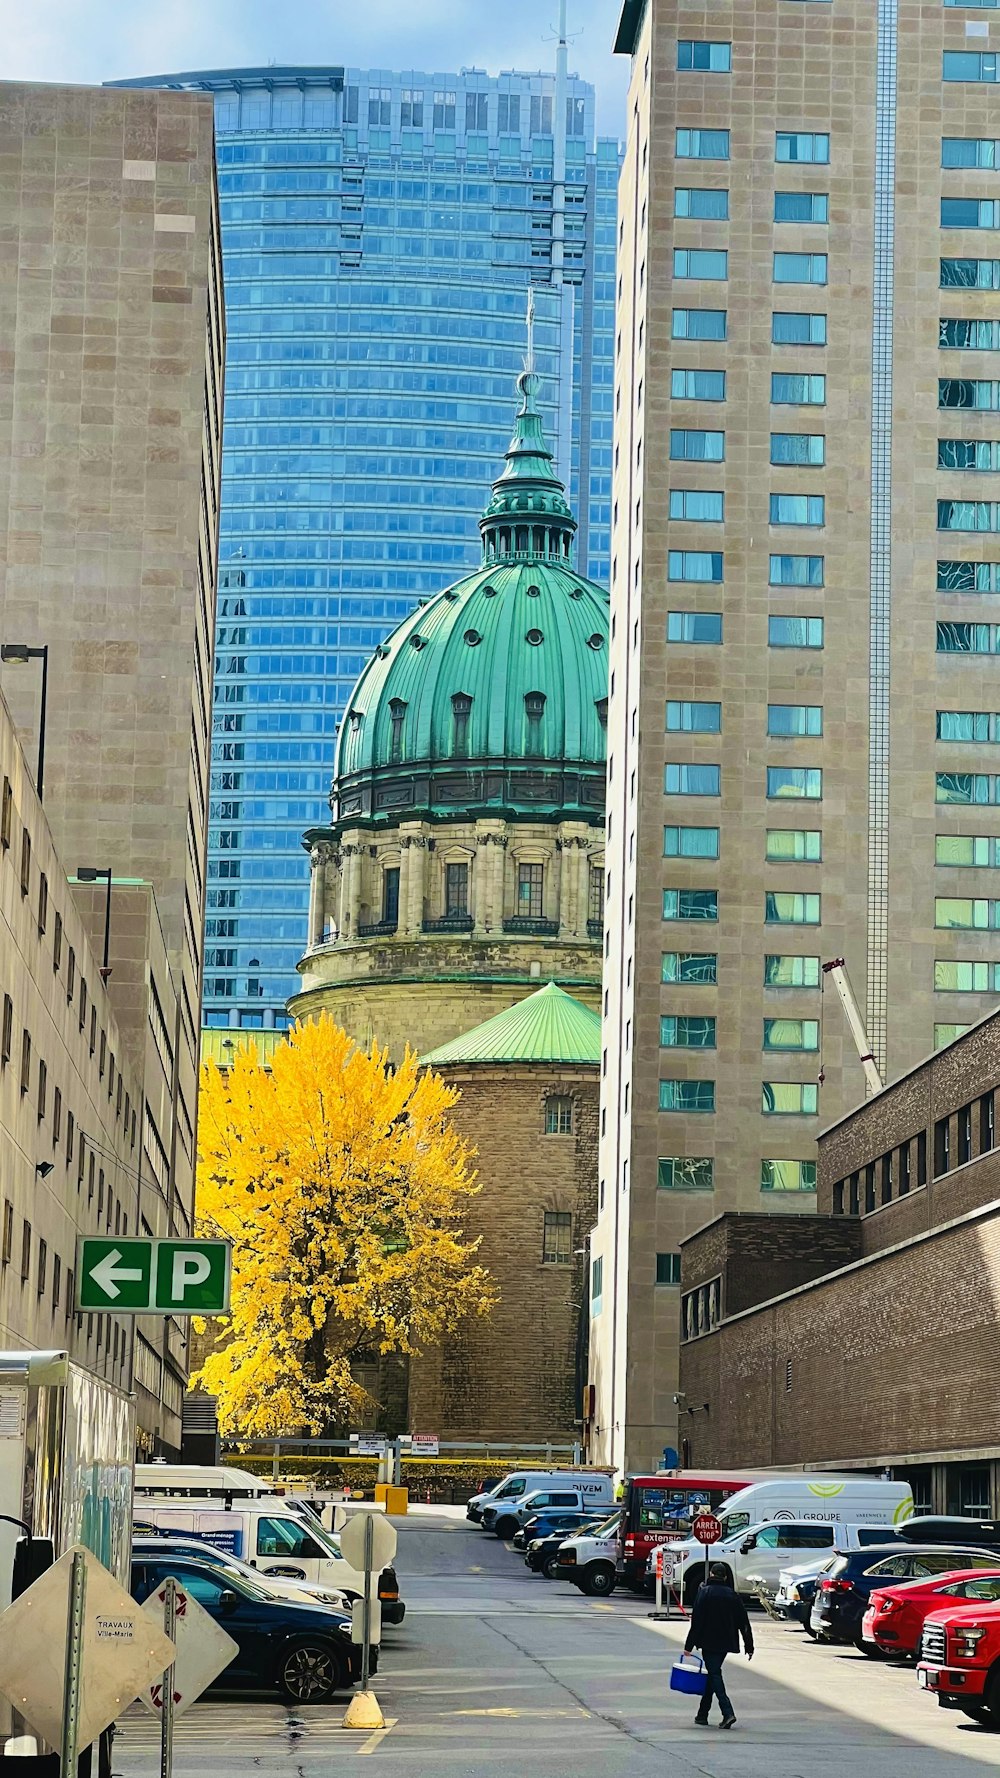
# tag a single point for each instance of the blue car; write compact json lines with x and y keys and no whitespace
{"x":304,"y":1652}
{"x":549,"y":1520}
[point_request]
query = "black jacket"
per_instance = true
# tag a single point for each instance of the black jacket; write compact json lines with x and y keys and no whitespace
{"x":718,"y":1621}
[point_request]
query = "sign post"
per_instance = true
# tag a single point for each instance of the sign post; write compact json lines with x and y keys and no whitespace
{"x":146,"y":1277}
{"x":167,"y":1716}
{"x":706,"y":1529}
{"x":68,"y":1748}
{"x":663,"y":1563}
{"x":367,"y":1541}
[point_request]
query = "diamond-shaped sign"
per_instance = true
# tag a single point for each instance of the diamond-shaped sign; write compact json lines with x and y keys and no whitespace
{"x":122,"y":1650}
{"x":203,"y":1650}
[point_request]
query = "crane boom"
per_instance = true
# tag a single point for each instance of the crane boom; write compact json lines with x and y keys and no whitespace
{"x":836,"y":969}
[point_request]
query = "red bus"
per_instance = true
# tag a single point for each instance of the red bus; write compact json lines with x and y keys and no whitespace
{"x":659,"y":1509}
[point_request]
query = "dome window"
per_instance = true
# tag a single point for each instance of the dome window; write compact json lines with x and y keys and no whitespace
{"x":601,"y":706}
{"x":535,"y":637}
{"x":489,"y":592}
{"x":461,"y":710}
{"x":473,"y":638}
{"x":355,"y":718}
{"x":576,"y":592}
{"x":534,"y":592}
{"x":595,"y":641}
{"x":534,"y":711}
{"x":397,"y":717}
{"x":418,"y":641}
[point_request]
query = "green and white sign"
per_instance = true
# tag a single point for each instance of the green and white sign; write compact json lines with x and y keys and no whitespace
{"x":143,"y":1277}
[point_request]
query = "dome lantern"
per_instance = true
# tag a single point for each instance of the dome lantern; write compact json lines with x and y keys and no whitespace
{"x":528,"y":517}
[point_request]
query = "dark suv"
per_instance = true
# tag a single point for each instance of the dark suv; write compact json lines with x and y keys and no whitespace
{"x":843,"y":1591}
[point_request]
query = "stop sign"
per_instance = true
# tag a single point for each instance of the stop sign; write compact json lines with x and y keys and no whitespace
{"x":706,"y":1528}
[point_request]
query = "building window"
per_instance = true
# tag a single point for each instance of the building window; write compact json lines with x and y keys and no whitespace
{"x":685,"y":1174}
{"x":791,"y":1034}
{"x":787,"y":909}
{"x":596,"y":1285}
{"x":509,"y":114}
{"x":794,"y":389}
{"x":970,"y":274}
{"x":690,"y":842}
{"x":838,"y":1197}
{"x":788,"y":721}
{"x":687,"y":1031}
{"x":8,"y":1233}
{"x":968,"y":515}
{"x":969,"y":65}
{"x":953,"y":976}
{"x":595,"y":896}
{"x":461,"y":710}
{"x":801,"y":206}
{"x":968,"y":638}
{"x":7,"y":1032}
{"x":791,"y":972}
{"x":56,"y":1117}
{"x":967,"y":913}
{"x":687,"y":1095}
{"x":691,"y":780}
{"x":557,"y":1238}
{"x":966,"y":334}
{"x":690,"y":904}
{"x":43,"y":902}
{"x":390,"y":896}
{"x":43,"y":1266}
{"x":799,"y":145}
{"x":795,"y":781}
{"x":710,"y":264}
{"x":411,"y":108}
{"x":701,"y":1309}
{"x":444,"y":111}
{"x":968,"y":577}
{"x":379,"y":107}
{"x":970,"y":212}
{"x":456,"y":889}
{"x":558,"y":1114}
{"x":800,"y":268}
{"x":976,"y":455}
{"x":790,"y":329}
{"x":987,"y":1122}
{"x":698,"y":324}
{"x":981,"y":394}
{"x":534,"y":711}
{"x":702,"y":506}
{"x":529,"y":890}
{"x":689,"y":966}
{"x":701,"y":567}
{"x":689,"y":445}
{"x":703,"y":203}
{"x":693,"y":719}
{"x":25,"y":1251}
{"x":668,"y":1268}
{"x":806,"y":449}
{"x":541,"y":114}
{"x":942,"y":1147}
{"x":795,"y":632}
{"x":25,"y":861}
{"x":57,"y":939}
{"x":696,"y":627}
{"x":397,"y":717}
{"x":704,"y":58}
{"x":477,"y":111}
{"x":788,"y":1176}
{"x":965,"y":787}
{"x":963,"y":1145}
{"x":783,"y":1098}
{"x":970,"y":151}
{"x":43,"y":1087}
{"x":25,"y":1060}
{"x":702,"y":145}
{"x":796,"y":571}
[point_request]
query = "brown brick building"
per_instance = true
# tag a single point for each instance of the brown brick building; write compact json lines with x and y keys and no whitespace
{"x":867,"y":1336}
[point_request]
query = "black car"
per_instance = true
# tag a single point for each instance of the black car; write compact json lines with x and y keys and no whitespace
{"x":304,"y":1651}
{"x":843,"y":1591}
{"x":556,"y":1518}
{"x":542,"y":1553}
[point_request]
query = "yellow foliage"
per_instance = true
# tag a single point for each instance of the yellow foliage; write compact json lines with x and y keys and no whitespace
{"x":339,"y":1180}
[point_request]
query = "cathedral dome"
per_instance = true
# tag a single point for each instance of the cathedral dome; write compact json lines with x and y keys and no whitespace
{"x":492,"y":696}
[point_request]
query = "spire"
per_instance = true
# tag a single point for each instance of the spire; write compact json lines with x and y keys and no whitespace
{"x":528,"y":517}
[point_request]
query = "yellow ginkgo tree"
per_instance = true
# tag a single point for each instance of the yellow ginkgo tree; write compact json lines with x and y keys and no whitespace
{"x":341,"y":1183}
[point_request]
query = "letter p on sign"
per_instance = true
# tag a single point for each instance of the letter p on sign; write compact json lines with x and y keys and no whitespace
{"x":192,"y":1276}
{"x":190,"y":1269}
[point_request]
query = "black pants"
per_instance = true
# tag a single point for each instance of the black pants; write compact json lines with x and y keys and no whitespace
{"x":716,"y":1687}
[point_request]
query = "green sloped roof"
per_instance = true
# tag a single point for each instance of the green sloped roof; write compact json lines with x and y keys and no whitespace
{"x":549,"y":1026}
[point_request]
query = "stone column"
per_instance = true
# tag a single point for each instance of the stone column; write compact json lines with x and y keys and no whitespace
{"x":403,"y":919}
{"x":563,"y":862}
{"x":499,"y":873}
{"x":317,"y":891}
{"x":584,"y":915}
{"x":351,"y":897}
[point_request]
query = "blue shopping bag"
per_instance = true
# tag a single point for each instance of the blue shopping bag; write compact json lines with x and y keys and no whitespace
{"x":690,"y":1679}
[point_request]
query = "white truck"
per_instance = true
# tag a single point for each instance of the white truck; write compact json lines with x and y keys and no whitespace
{"x":588,"y":1559}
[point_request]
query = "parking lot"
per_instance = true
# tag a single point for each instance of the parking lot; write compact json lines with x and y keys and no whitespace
{"x":496,"y":1671}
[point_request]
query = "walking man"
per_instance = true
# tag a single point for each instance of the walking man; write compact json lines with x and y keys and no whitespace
{"x":718,"y":1621}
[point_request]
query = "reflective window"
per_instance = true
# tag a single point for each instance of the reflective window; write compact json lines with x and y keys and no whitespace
{"x":691,"y":446}
{"x":791,"y":972}
{"x":788,"y":908}
{"x":798,"y":145}
{"x":784,"y":1098}
{"x":967,"y":788}
{"x":969,"y":65}
{"x":687,"y":1095}
{"x":701,"y":262}
{"x":968,"y":334}
{"x":972,"y":454}
{"x":788,"y":329}
{"x":687,"y":1031}
{"x":797,"y":509}
{"x":796,"y":571}
{"x":698,"y":385}
{"x":968,"y":515}
{"x":677,"y":1174}
{"x":705,"y":203}
{"x":694,"y":626}
{"x":794,"y":719}
{"x":692,"y":780}
{"x":791,"y":1034}
{"x":690,"y":904}
{"x":690,"y":842}
{"x":800,"y":268}
{"x":799,"y":845}
{"x":795,"y":781}
{"x":807,"y":449}
{"x":788,"y":1176}
{"x":693,"y":718}
{"x":968,"y":577}
{"x":801,"y":206}
{"x":967,"y":638}
{"x":708,"y":58}
{"x":697,"y":505}
{"x":969,"y":212}
{"x":702,"y":145}
{"x":979,"y":851}
{"x":966,"y":725}
{"x":699,"y":324}
{"x":970,"y":274}
{"x":795,"y":632}
{"x":954,"y":977}
{"x":694,"y":565}
{"x":798,"y":391}
{"x":970,"y":151}
{"x":688,"y":966}
{"x":973,"y":914}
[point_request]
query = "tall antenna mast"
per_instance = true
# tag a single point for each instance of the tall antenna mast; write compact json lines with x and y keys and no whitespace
{"x":529,"y":357}
{"x":559,"y":151}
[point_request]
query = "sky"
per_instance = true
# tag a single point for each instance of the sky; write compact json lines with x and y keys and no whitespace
{"x":70,"y":41}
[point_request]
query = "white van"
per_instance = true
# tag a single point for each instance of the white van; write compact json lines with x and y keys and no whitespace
{"x":766,"y":1522}
{"x":528,"y":1481}
{"x":589,"y":1558}
{"x":246,"y":1516}
{"x":504,"y":1517}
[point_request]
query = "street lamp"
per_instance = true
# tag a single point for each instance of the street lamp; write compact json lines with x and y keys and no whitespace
{"x":87,"y":874}
{"x":21,"y":653}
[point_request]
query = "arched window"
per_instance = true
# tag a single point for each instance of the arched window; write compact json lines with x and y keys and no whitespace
{"x":521,"y":540}
{"x":397,"y":717}
{"x":461,"y":710}
{"x":534,"y":711}
{"x":601,"y":706}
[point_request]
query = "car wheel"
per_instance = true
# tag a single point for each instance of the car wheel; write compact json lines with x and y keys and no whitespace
{"x":599,"y":1578}
{"x":505,"y":1528}
{"x":550,"y":1569}
{"x":871,"y":1649}
{"x":979,"y":1713}
{"x":311,"y":1673}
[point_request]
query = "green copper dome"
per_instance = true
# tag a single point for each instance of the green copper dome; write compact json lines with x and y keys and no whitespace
{"x":491,"y":697}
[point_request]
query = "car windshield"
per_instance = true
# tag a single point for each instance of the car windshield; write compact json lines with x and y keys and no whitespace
{"x":196,"y":1577}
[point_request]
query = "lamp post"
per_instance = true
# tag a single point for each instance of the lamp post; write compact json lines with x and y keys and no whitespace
{"x":21,"y":653}
{"x":87,"y":874}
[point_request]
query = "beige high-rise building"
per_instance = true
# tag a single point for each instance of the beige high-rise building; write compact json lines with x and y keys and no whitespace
{"x":111,"y":361}
{"x":804,"y":714}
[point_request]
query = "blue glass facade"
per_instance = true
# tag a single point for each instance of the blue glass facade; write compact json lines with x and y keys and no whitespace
{"x":379,"y":234}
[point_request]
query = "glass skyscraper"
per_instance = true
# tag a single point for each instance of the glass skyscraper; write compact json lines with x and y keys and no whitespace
{"x":380,"y":232}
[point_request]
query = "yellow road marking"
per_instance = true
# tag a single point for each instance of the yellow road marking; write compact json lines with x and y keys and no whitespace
{"x":477,"y":1571}
{"x":595,"y":1606}
{"x":372,"y":1742}
{"x":510,"y":1710}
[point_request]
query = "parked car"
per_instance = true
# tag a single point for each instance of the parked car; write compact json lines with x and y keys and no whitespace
{"x":303,"y":1650}
{"x":597,"y":1484}
{"x":796,"y":1590}
{"x":504,"y":1519}
{"x":842,"y":1595}
{"x":960,"y":1660}
{"x":895,"y":1615}
{"x":588,"y":1559}
{"x":762,"y":1552}
{"x":542,"y":1524}
{"x":984,"y":1534}
{"x":541,"y":1554}
{"x":152,"y":1547}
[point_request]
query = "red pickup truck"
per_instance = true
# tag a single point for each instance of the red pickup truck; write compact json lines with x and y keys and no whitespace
{"x":960,"y":1660}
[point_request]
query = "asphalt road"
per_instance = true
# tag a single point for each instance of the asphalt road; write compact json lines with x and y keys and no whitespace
{"x":496,"y":1672}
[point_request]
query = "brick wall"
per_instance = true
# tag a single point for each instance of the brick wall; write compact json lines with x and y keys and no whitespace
{"x":513,"y":1375}
{"x":759,"y":1256}
{"x":900,"y":1354}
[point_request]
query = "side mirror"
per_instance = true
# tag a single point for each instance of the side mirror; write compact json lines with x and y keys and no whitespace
{"x":748,"y":1544}
{"x":228,"y":1601}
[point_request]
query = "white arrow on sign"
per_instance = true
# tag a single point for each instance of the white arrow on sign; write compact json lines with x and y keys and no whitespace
{"x":108,"y":1273}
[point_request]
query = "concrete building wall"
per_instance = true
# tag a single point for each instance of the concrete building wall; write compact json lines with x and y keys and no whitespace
{"x":883,"y":837}
{"x":111,"y":349}
{"x":514,"y":1374}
